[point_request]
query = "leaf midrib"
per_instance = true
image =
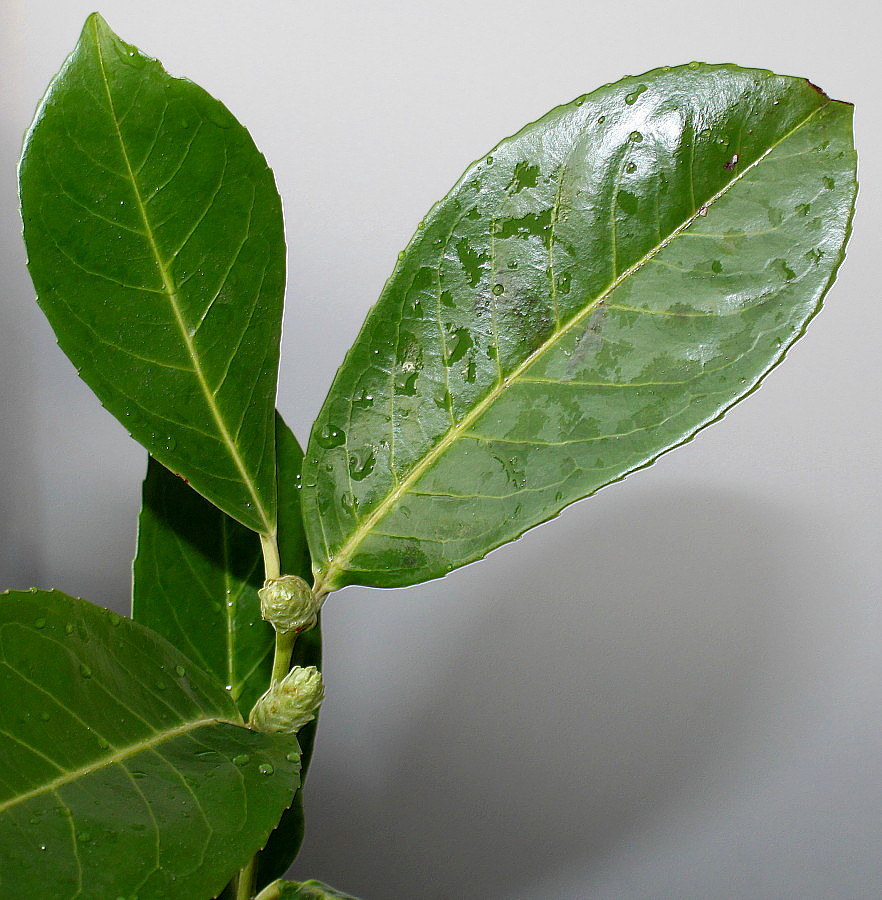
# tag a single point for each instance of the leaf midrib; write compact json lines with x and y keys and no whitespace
{"x":113,"y":758}
{"x":171,"y":293}
{"x":402,"y":487}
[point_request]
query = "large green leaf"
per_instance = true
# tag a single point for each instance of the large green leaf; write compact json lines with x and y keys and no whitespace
{"x":124,"y":769}
{"x":592,"y":293}
{"x":155,"y":243}
{"x":197,"y":573}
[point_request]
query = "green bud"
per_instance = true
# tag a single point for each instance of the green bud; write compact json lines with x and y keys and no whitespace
{"x":288,"y":604}
{"x":287,"y":706}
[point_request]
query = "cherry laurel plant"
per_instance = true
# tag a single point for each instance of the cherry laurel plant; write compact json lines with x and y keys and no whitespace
{"x":590,"y":294}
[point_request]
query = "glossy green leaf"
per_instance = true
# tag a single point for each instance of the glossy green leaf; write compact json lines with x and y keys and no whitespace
{"x":124,"y":769}
{"x":597,"y":289}
{"x":302,"y":890}
{"x":197,"y":573}
{"x":155,"y":243}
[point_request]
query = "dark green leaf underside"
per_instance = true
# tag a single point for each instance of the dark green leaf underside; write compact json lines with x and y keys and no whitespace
{"x":197,"y":573}
{"x":589,"y":295}
{"x":124,"y":770}
{"x":155,"y":243}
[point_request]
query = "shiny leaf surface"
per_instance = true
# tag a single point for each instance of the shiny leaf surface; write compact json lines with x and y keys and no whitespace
{"x":197,"y":573}
{"x":590,"y":294}
{"x":124,"y":769}
{"x":155,"y":243}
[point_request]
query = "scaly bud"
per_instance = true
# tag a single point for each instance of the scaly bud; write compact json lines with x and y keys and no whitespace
{"x":287,"y":706}
{"x":288,"y":604}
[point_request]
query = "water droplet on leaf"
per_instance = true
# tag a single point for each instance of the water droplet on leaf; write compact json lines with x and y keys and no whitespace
{"x":632,"y":97}
{"x":330,"y":437}
{"x":362,"y":464}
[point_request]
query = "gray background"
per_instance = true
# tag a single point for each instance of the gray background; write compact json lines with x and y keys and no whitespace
{"x":672,"y":691}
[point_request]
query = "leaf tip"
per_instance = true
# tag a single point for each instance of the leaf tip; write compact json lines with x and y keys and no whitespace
{"x":96,"y":24}
{"x":96,"y":31}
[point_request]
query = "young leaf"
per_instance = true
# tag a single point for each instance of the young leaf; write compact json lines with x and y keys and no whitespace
{"x":124,"y":769}
{"x":589,"y":295}
{"x":155,"y":243}
{"x":301,"y":890}
{"x":197,"y":573}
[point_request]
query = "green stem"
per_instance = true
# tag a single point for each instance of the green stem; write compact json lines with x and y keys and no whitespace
{"x":282,"y":655}
{"x":245,"y":880}
{"x":272,"y":567}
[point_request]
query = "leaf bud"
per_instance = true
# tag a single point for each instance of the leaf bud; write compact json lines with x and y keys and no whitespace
{"x":288,"y":604}
{"x":291,"y":703}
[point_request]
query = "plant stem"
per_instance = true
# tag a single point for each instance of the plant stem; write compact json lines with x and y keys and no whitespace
{"x":282,"y":655}
{"x":284,"y":642}
{"x":272,"y":568}
{"x":245,"y":880}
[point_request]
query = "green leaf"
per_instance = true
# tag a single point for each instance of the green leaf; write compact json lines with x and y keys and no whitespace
{"x":124,"y":769}
{"x":589,"y":295}
{"x":302,"y":890}
{"x":155,"y":243}
{"x":197,"y":573}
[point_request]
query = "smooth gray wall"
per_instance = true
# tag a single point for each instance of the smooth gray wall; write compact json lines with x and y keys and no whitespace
{"x":672,"y":691}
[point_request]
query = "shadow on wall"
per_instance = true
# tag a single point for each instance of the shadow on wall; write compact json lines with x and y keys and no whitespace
{"x":625,"y":644}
